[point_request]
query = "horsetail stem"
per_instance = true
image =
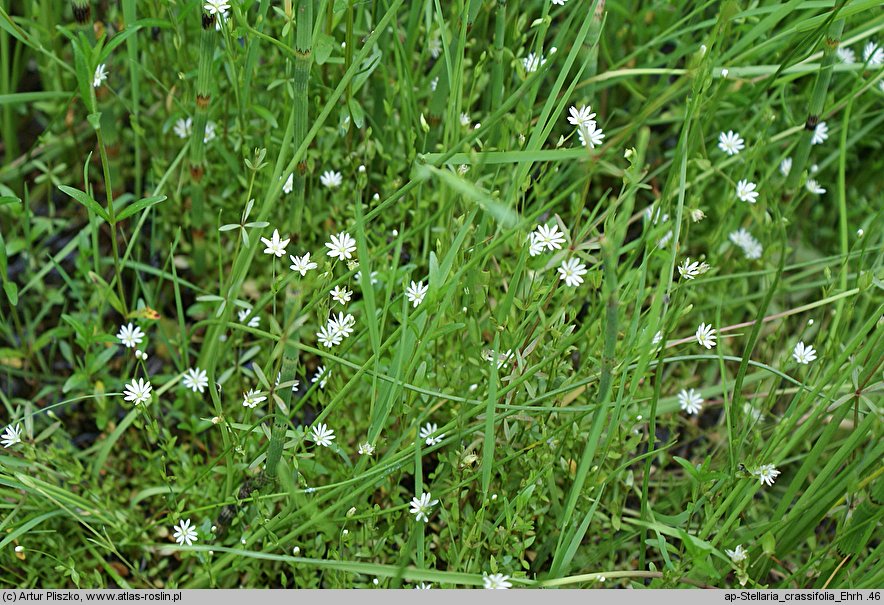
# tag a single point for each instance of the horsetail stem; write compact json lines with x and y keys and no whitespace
{"x":817,"y":102}
{"x":277,"y":435}
{"x":201,"y":114}
{"x":303,"y":59}
{"x":82,"y":11}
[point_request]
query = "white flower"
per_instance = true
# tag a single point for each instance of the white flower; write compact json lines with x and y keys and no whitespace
{"x":321,"y":376}
{"x":295,"y":383}
{"x":658,"y":337}
{"x":423,"y":586}
{"x":820,"y":134}
{"x":846,"y":54}
{"x":550,"y":237}
{"x":766,"y":473}
{"x":342,"y":325}
{"x":706,"y":335}
{"x":289,"y":184}
{"x":331,"y":179}
{"x":302,"y":264}
{"x":746,"y":191}
{"x":737,"y":555}
{"x":500,"y":358}
{"x":535,"y":244}
{"x":195,"y":379}
{"x":137,"y":391}
{"x":342,"y":246}
{"x":814,"y":187}
{"x":690,"y":401}
{"x":751,"y":247}
{"x":496,"y":581}
{"x":210,"y":132}
{"x":465,"y":119}
{"x":434,"y":83}
{"x":730,"y":142}
{"x":253,"y":322}
{"x":275,"y":245}
{"x":341,"y":295}
{"x":100,"y":76}
{"x":12,"y":435}
{"x":183,"y":127}
{"x":786,"y":166}
{"x":559,"y":2}
{"x":422,"y":506}
{"x":252,"y":398}
{"x":571,"y":272}
{"x":803,"y":354}
{"x":416,"y":292}
{"x":533,"y":62}
{"x":690,"y":270}
{"x":222,"y":18}
{"x":365,"y":449}
{"x":427,"y":431}
{"x":590,"y":135}
{"x":328,"y":337}
{"x":434,"y":45}
{"x":581,"y":116}
{"x":873,"y":55}
{"x":697,"y":215}
{"x":130,"y":335}
{"x":185,"y":533}
{"x":322,"y":435}
{"x":213,"y":7}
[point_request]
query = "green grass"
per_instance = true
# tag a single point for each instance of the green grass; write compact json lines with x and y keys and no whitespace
{"x":567,"y":459}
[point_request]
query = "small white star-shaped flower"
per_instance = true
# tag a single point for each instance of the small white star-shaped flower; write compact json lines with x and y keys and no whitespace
{"x":845,"y":54}
{"x":183,"y":127}
{"x":328,"y":337}
{"x":803,"y":354}
{"x":365,"y":449}
{"x":252,"y":398}
{"x":465,"y":119}
{"x":581,"y":116}
{"x":422,"y":506}
{"x":210,"y":132}
{"x":342,"y":324}
{"x":535,"y":244}
{"x":786,"y":166}
{"x":416,"y":292}
{"x":737,"y":555}
{"x":873,"y":55}
{"x":690,"y":270}
{"x":321,"y":376}
{"x":322,"y":435}
{"x":195,"y":379}
{"x":730,"y":142}
{"x":254,"y":321}
{"x":746,"y":191}
{"x":571,"y":271}
{"x":100,"y":76}
{"x":342,"y":246}
{"x":767,"y":474}
{"x":590,"y":135}
{"x":331,"y":179}
{"x":130,"y":335}
{"x":302,"y":264}
{"x":289,"y":184}
{"x":341,"y":295}
{"x":426,"y":433}
{"x":690,"y":401}
{"x":820,"y":134}
{"x":11,"y":436}
{"x":496,"y":581}
{"x":214,"y":7}
{"x":550,"y":237}
{"x":275,"y":245}
{"x":706,"y":335}
{"x":137,"y":391}
{"x":185,"y":533}
{"x":533,"y":62}
{"x":814,"y":187}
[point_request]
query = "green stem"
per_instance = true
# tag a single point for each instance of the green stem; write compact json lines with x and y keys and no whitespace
{"x":303,"y":60}
{"x":817,"y":102}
